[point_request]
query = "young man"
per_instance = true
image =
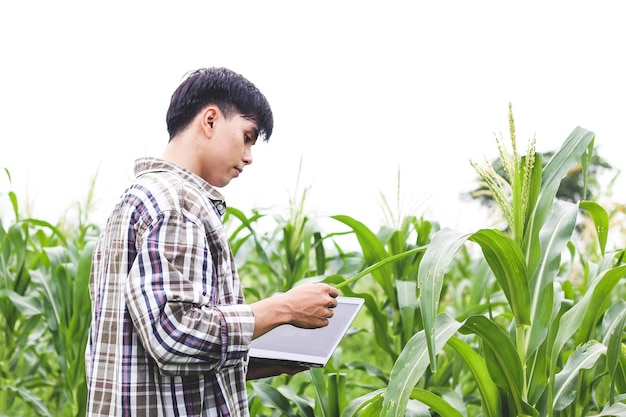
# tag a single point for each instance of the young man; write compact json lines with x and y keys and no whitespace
{"x":170,"y":328}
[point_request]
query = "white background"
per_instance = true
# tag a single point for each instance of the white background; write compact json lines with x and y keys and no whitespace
{"x":361,"y":91}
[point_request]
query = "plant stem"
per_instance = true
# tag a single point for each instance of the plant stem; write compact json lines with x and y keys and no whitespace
{"x":521,"y":350}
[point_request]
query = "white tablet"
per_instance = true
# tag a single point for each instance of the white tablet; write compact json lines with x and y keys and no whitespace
{"x":307,"y":347}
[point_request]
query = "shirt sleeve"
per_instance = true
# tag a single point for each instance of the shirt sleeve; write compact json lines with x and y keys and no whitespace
{"x":173,"y":295}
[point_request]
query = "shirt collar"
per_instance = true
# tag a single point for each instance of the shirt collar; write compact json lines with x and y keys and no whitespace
{"x":150,"y":164}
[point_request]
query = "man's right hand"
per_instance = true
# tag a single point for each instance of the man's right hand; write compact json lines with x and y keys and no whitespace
{"x":307,"y":306}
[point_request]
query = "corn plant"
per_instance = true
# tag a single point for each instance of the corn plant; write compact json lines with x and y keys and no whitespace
{"x":393,"y":306}
{"x":25,"y":366}
{"x":325,"y":392}
{"x":554,"y":346}
{"x":44,"y":315}
{"x":328,"y":398}
{"x":63,"y":279}
{"x":276,"y":253}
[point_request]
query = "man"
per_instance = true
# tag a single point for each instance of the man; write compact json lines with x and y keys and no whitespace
{"x":170,"y":328}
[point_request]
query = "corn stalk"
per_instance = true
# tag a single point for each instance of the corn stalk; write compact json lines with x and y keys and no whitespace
{"x":536,"y":361}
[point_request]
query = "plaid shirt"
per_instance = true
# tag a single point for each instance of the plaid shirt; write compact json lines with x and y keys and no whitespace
{"x":170,"y":329}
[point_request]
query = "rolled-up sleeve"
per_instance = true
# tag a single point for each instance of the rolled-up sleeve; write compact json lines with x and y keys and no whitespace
{"x":177,"y":296}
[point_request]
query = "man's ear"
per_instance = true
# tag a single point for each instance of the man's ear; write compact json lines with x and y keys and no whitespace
{"x":207,"y":120}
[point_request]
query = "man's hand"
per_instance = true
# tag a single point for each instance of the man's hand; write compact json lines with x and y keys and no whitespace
{"x":260,"y":369}
{"x":308,"y":306}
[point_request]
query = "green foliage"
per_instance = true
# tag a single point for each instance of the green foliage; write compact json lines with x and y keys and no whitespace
{"x":518,"y":330}
{"x":528,"y":320}
{"x":44,"y":317}
{"x":548,"y":340}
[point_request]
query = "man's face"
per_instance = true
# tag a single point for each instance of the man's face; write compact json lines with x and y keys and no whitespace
{"x":229,"y":149}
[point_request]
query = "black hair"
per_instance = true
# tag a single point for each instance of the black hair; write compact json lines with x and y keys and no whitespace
{"x":229,"y":91}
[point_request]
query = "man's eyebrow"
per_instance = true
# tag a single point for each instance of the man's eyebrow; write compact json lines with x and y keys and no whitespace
{"x":255,"y":133}
{"x":254,"y":129}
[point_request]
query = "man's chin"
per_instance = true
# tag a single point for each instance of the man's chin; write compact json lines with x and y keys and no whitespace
{"x":220,"y":184}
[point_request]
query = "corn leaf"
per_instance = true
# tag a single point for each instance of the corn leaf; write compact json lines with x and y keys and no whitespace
{"x":380,"y":320}
{"x":477,"y":366}
{"x":593,"y":298}
{"x":370,"y":369}
{"x":505,"y":366}
{"x":599,"y":300}
{"x":435,"y":403}
{"x":53,"y":314}
{"x":411,"y":364}
{"x":246,"y":224}
{"x":373,"y":252}
{"x":612,"y":410}
{"x":365,"y":405}
{"x":506,"y":260}
{"x":407,"y":304}
{"x":614,"y":322}
{"x":272,"y":398}
{"x":554,"y":237}
{"x":27,"y":305}
{"x":370,"y":269}
{"x":576,"y":318}
{"x":46,"y":225}
{"x":321,"y":389}
{"x":600,"y":220}
{"x":30,"y":398}
{"x":579,"y":142}
{"x":305,"y":409}
{"x":357,"y":405}
{"x":566,"y":381}
{"x":442,"y":248}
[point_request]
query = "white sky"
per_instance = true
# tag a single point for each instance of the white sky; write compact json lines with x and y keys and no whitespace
{"x":359,"y":90}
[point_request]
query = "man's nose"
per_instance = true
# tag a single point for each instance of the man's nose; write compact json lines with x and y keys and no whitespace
{"x":247,"y":157}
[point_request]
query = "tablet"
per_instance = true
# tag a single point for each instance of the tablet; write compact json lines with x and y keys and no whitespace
{"x":307,"y":347}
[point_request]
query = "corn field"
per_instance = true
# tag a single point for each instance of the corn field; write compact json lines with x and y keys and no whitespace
{"x":527,"y":319}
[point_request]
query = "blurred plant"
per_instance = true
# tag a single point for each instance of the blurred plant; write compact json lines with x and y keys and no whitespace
{"x":395,"y":211}
{"x":44,"y":315}
{"x":391,"y":258}
{"x":297,"y":244}
{"x":283,"y":252}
